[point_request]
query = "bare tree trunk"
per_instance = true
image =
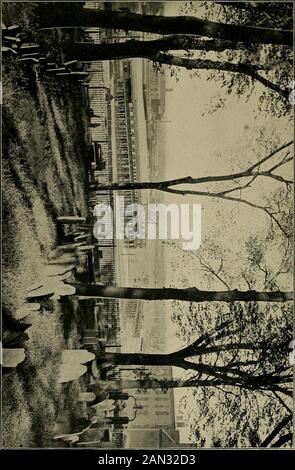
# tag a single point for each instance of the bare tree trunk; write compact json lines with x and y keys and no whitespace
{"x":283,"y":440}
{"x":198,"y":64}
{"x":139,"y":359}
{"x":218,"y":374}
{"x":159,"y":185}
{"x":133,"y":48}
{"x":167,"y":185}
{"x":276,"y":431}
{"x":150,"y":384}
{"x":190,"y":294}
{"x":151,"y":50}
{"x":76,"y":16}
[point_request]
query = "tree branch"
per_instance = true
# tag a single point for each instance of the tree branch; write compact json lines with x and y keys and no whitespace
{"x":199,"y":64}
{"x":285,"y":421}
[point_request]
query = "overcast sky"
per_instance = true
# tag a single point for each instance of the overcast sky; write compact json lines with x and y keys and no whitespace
{"x":197,"y":144}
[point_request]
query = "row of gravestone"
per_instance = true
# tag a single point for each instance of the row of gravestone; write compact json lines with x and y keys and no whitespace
{"x":50,"y":285}
{"x":14,"y":42}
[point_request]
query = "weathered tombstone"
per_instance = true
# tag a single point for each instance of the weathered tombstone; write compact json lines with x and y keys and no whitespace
{"x":71,"y":371}
{"x":43,"y":291}
{"x":13,"y":357}
{"x":14,"y":28}
{"x":86,"y":396}
{"x":10,"y":38}
{"x":28,"y":59}
{"x":64,"y":259}
{"x":65,"y":289}
{"x":5,"y":49}
{"x":52,"y":70}
{"x":55,"y":269}
{"x":30,"y":54}
{"x":63,"y":277}
{"x":74,"y":74}
{"x":29,"y":48}
{"x":77,"y":355}
{"x":25,"y":310}
{"x":70,"y":246}
{"x":105,"y":405}
{"x":71,"y":63}
{"x":81,"y":237}
{"x":52,"y":287}
{"x":85,"y":248}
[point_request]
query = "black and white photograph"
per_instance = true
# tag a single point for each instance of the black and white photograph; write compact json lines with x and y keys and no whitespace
{"x":147,"y":225}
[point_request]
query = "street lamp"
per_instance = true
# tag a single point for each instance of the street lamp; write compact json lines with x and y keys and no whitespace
{"x":136,"y":407}
{"x":120,"y":420}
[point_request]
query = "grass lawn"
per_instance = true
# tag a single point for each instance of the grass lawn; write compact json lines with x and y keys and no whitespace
{"x":45,"y":137}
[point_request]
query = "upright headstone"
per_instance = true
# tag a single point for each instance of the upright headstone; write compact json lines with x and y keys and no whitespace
{"x":77,"y":355}
{"x":71,"y":371}
{"x":13,"y":357}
